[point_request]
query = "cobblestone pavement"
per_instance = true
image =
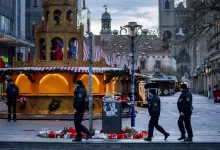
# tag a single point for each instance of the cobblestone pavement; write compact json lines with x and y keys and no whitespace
{"x":205,"y":122}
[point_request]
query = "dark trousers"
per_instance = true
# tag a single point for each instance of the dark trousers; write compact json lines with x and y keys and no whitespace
{"x":11,"y":103}
{"x":78,"y":124}
{"x":185,"y":120}
{"x":154,"y":123}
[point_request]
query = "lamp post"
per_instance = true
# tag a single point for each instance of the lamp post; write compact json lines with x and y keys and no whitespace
{"x":207,"y":71}
{"x":90,"y":81}
{"x":133,"y":27}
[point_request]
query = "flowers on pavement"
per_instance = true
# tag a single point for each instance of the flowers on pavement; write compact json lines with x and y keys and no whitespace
{"x":126,"y":133}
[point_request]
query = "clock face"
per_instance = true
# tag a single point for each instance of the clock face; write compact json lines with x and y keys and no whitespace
{"x":167,"y":34}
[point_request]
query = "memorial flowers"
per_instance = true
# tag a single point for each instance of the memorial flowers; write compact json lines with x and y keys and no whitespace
{"x":126,"y":133}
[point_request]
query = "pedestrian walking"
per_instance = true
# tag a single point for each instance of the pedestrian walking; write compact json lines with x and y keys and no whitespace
{"x":80,"y":94}
{"x":184,"y":106}
{"x":154,"y":112}
{"x":12,"y":93}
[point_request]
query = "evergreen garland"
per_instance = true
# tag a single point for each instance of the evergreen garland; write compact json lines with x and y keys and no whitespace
{"x":24,"y":71}
{"x":54,"y":105}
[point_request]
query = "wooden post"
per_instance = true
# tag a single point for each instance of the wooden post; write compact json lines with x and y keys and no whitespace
{"x":13,"y":62}
{"x":37,"y":48}
{"x":34,"y":60}
{"x":48,"y":48}
{"x":66,"y":44}
{"x":80,"y":49}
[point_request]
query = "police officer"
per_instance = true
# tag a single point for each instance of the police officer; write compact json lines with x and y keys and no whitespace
{"x":12,"y":92}
{"x":80,"y":94}
{"x":184,"y":106}
{"x":154,"y":112}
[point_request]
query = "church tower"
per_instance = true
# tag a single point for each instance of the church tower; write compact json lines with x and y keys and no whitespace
{"x":106,"y":25}
{"x":166,"y":16}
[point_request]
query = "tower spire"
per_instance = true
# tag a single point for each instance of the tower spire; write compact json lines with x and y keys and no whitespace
{"x":105,"y":7}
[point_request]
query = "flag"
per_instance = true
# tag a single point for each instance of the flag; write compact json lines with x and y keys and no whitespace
{"x":85,"y":51}
{"x":97,"y":53}
{"x":76,"y":44}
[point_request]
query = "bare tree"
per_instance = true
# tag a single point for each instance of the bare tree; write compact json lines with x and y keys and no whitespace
{"x":200,"y":17}
{"x":168,"y":70}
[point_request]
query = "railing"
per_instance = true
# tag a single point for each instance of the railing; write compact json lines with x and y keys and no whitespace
{"x":57,"y":63}
{"x":61,"y":28}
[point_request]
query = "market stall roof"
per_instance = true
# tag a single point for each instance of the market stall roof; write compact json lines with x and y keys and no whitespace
{"x":140,"y":75}
{"x":60,"y":69}
{"x":165,"y":78}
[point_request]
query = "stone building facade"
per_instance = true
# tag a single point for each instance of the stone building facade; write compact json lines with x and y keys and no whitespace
{"x":170,"y":16}
{"x":203,"y":52}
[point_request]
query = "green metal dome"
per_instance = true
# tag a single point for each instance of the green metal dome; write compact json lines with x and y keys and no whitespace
{"x":106,"y":15}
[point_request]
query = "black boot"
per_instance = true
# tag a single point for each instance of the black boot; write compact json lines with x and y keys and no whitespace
{"x":166,"y":136}
{"x":77,"y":140}
{"x":188,"y":140}
{"x":89,"y":136}
{"x":183,"y":137}
{"x":148,"y":139}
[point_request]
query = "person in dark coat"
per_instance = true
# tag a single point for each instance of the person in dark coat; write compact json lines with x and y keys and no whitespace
{"x":79,"y":105}
{"x":154,"y":112}
{"x":12,"y":93}
{"x":184,"y":106}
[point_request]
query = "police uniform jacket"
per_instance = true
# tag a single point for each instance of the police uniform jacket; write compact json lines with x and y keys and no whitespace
{"x":12,"y":92}
{"x":80,"y":94}
{"x":154,"y":107}
{"x":184,"y":103}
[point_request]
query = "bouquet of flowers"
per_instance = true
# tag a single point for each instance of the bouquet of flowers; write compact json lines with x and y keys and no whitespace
{"x":22,"y":103}
{"x":54,"y":105}
{"x":108,"y":97}
{"x":130,"y":130}
{"x":44,"y":133}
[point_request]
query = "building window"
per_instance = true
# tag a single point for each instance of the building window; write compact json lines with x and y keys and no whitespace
{"x":142,"y":64}
{"x":158,"y":64}
{"x":167,"y":4}
{"x":218,"y":65}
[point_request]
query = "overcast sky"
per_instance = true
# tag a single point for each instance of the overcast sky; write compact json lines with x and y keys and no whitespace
{"x":144,"y":12}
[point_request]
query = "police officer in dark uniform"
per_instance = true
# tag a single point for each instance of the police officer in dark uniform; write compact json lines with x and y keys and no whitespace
{"x":184,"y":106}
{"x":154,"y":112}
{"x":12,"y":92}
{"x":80,"y":94}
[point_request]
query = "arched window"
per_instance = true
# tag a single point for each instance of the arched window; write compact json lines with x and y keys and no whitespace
{"x":167,"y":4}
{"x":57,"y":15}
{"x":57,"y":48}
{"x":142,"y":63}
{"x":69,"y":16}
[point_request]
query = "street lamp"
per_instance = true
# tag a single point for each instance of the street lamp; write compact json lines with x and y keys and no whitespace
{"x":202,"y":69}
{"x":133,"y":28}
{"x":90,"y":61}
{"x":208,"y":66}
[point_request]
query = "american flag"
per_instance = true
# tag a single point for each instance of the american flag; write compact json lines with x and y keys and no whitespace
{"x":76,"y":44}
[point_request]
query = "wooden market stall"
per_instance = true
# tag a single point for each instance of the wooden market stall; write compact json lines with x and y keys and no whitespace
{"x":58,"y":63}
{"x":42,"y":85}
